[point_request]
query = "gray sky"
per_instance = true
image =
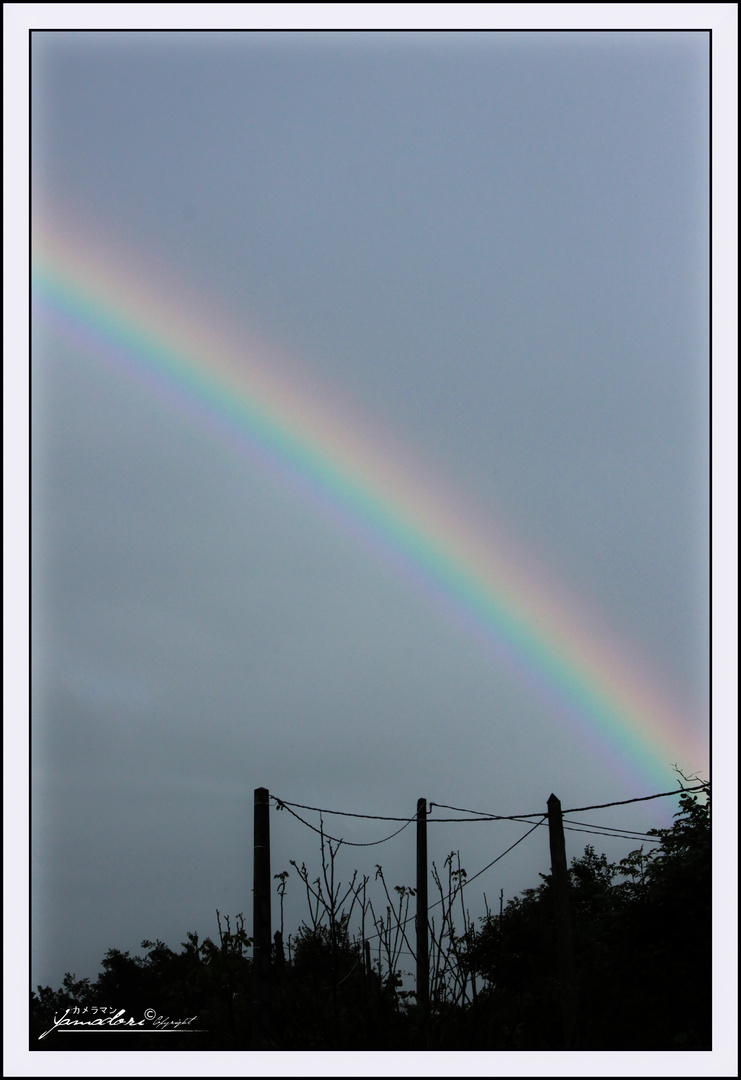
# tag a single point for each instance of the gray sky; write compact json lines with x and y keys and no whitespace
{"x":496,"y":247}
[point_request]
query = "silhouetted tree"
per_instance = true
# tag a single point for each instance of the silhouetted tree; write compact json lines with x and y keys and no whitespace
{"x":642,"y":940}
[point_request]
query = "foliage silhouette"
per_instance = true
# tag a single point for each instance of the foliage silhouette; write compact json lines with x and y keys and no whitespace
{"x":642,"y":941}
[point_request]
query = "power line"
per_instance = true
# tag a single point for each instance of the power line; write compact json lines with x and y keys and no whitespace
{"x":468,"y":880}
{"x":481,"y":816}
{"x":610,"y":830}
{"x":607,"y":829}
{"x":616,"y":835}
{"x":340,"y":813}
{"x":506,"y":852}
{"x":572,"y":826}
{"x":337,"y":840}
{"x":383,"y":817}
{"x":643,"y":798}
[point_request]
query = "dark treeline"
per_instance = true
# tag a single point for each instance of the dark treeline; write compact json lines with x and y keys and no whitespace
{"x":642,"y":946}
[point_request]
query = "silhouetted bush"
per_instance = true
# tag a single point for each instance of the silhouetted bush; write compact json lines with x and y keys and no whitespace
{"x":642,"y":943}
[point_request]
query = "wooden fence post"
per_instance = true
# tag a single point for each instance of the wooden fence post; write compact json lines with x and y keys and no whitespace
{"x":564,"y":936}
{"x":261,"y":921}
{"x":423,"y":965}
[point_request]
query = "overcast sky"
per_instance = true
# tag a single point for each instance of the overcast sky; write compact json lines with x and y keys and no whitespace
{"x":494,"y":246}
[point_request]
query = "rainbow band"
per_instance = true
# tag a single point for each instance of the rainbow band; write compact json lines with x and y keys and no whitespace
{"x":505,"y":605}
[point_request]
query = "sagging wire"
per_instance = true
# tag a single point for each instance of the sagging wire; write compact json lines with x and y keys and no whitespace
{"x":337,"y":840}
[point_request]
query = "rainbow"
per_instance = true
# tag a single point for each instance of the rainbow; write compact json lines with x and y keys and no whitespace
{"x":199,"y":362}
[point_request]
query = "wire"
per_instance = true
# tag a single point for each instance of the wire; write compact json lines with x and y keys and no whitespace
{"x":468,"y":881}
{"x":574,"y":827}
{"x":643,"y":798}
{"x":341,"y":813}
{"x":619,"y":834}
{"x":506,"y":852}
{"x":488,"y":867}
{"x":381,"y":817}
{"x":337,"y":840}
{"x":608,"y":829}
{"x":616,"y":835}
{"x":482,"y":815}
{"x":283,"y":804}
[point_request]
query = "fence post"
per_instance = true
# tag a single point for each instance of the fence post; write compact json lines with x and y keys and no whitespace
{"x":261,"y":922}
{"x":564,"y":936}
{"x":423,"y":967}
